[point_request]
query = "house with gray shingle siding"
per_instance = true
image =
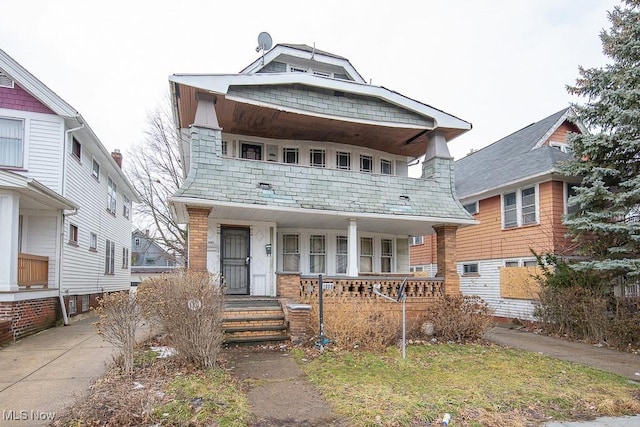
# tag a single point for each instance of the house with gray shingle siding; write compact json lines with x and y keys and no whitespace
{"x":298,"y":167}
{"x":514,"y":188}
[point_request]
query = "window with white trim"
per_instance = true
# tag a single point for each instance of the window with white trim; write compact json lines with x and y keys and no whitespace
{"x":125,"y":258}
{"x":317,"y":157}
{"x":519,"y":208}
{"x":93,"y":242}
{"x":73,"y":234}
{"x":366,"y":163}
{"x":416,"y":240}
{"x":386,"y":255}
{"x":95,"y":169}
{"x":109,"y":256}
{"x":343,"y":160}
{"x":125,"y":207}
{"x":290,"y":252}
{"x":472,"y":208}
{"x":570,"y":191}
{"x":11,"y":142}
{"x":112,"y":192}
{"x":317,"y":253}
{"x":293,"y":69}
{"x":225,"y":148}
{"x":470,"y":268}
{"x":76,"y":148}
{"x":386,"y":167}
{"x":342,"y":250}
{"x":366,"y":254}
{"x":290,"y":155}
{"x":510,"y":264}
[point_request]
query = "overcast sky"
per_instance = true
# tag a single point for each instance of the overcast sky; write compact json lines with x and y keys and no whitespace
{"x":499,"y":64}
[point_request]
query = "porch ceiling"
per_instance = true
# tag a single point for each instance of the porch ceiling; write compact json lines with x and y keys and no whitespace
{"x":320,"y":220}
{"x":261,"y":121}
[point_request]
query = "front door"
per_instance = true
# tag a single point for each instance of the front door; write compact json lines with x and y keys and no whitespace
{"x":235,"y":260}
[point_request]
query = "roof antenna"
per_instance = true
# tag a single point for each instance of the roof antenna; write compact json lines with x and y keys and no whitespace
{"x":264,"y":43}
{"x":313,"y":52}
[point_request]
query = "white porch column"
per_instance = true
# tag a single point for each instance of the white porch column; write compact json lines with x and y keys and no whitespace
{"x":352,"y":255}
{"x":9,"y":217}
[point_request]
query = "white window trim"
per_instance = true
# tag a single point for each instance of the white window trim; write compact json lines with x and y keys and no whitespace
{"x":474,"y":273}
{"x":391,"y":167}
{"x":111,"y":197}
{"x":25,"y":141}
{"x":476,"y":207}
{"x":324,"y":152}
{"x":95,"y":162}
{"x":416,"y":240}
{"x":518,"y":192}
{"x":93,"y":243}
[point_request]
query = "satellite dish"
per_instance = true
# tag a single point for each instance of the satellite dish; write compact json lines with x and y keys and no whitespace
{"x":264,"y":42}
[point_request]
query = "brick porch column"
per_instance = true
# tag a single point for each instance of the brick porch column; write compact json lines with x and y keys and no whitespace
{"x":197,"y":245}
{"x":446,"y":248}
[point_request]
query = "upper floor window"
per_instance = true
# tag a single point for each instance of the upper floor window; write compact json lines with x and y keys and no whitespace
{"x":317,"y":158}
{"x":136,"y":241}
{"x":125,"y":258}
{"x":73,"y":234}
{"x":570,"y":192}
{"x":317,"y":251}
{"x":472,"y":208}
{"x":76,"y":148}
{"x":562,"y":146}
{"x":111,"y":195}
{"x":343,"y":160}
{"x":95,"y":169}
{"x":290,"y":155}
{"x":251,"y":151}
{"x":290,"y":252}
{"x":125,"y":207}
{"x":11,"y":142}
{"x":225,"y":148}
{"x":366,"y":163}
{"x":519,"y":208}
{"x":93,"y":242}
{"x":386,"y":167}
{"x":293,"y":69}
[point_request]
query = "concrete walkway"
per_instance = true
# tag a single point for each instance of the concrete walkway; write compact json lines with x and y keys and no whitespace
{"x":604,"y":359}
{"x":43,"y":373}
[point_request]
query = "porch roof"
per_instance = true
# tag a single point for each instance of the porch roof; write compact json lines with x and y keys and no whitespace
{"x":299,"y":218}
{"x":34,"y":195}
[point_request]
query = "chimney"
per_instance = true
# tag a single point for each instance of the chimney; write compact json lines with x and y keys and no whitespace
{"x":117,"y":156}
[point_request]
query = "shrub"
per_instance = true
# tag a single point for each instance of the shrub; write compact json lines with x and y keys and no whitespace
{"x":119,"y":316}
{"x":357,"y":323}
{"x":189,"y":306}
{"x":460,"y":318}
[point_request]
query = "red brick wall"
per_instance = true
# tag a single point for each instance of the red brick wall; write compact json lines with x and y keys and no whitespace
{"x":19,"y":99}
{"x":27,"y":317}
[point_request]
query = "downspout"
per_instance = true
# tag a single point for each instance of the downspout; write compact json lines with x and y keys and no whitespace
{"x":65,"y":318}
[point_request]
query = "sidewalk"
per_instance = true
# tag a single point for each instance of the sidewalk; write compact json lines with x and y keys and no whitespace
{"x":45,"y":372}
{"x":617,"y":362}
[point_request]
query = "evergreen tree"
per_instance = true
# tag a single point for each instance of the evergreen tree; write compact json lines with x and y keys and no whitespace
{"x":607,"y":157}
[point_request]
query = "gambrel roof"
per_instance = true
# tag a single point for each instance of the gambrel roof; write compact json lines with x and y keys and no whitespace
{"x":520,"y":156}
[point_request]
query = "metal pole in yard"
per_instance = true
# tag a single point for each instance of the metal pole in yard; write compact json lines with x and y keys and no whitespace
{"x":321,"y":310}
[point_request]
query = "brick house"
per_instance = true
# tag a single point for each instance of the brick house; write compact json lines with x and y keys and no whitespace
{"x":298,"y":167}
{"x":65,"y":208}
{"x":514,"y":189}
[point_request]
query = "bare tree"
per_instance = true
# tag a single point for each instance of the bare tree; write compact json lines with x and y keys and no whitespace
{"x":156,"y":169}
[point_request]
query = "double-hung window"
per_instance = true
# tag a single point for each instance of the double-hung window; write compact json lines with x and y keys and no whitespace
{"x":112,"y":191}
{"x":95,"y":169}
{"x":520,"y":208}
{"x":125,"y":207}
{"x":386,"y":255}
{"x":11,"y":143}
{"x":290,"y":252}
{"x":342,"y":250}
{"x":109,"y":257}
{"x":366,"y":254}
{"x":317,"y":254}
{"x":125,"y":258}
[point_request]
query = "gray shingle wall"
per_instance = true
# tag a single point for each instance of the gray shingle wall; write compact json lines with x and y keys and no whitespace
{"x":235,"y":180}
{"x":274,"y":67}
{"x":326,"y":102}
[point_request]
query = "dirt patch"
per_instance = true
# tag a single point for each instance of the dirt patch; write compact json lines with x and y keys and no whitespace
{"x":277,"y":390}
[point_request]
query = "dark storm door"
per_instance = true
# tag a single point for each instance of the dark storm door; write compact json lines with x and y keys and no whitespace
{"x":235,"y":260}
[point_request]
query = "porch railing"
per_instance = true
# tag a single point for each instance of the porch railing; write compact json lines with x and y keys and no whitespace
{"x":33,"y":270}
{"x":363,"y":286}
